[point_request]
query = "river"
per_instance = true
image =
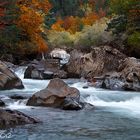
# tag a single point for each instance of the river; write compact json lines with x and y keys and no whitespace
{"x":116,"y":115}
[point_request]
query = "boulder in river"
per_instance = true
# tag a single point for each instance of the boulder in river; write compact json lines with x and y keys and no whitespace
{"x":2,"y":104}
{"x":11,"y":118}
{"x":113,"y":82}
{"x":130,"y":71}
{"x":127,"y":77}
{"x":57,"y":95}
{"x":8,"y":79}
{"x":45,"y":69}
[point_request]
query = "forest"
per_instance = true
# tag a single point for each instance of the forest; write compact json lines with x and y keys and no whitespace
{"x":30,"y":27}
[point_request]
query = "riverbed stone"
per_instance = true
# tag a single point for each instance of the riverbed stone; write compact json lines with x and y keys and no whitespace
{"x":2,"y":104}
{"x":11,"y":118}
{"x":8,"y":79}
{"x":57,"y":95}
{"x":45,"y":69}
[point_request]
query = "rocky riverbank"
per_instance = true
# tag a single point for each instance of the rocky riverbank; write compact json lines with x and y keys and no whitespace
{"x":104,"y":66}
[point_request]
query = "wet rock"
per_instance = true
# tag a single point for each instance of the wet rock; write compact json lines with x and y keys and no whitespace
{"x":11,"y":118}
{"x":45,"y":69}
{"x":2,"y":104}
{"x":71,"y":104}
{"x":85,"y":87}
{"x":8,"y":80}
{"x":113,"y":82}
{"x":130,"y":71}
{"x":18,"y":97}
{"x":48,"y":74}
{"x":57,"y":95}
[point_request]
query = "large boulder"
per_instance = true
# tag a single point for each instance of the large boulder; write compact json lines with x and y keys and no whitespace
{"x":8,"y":79}
{"x":57,"y":95}
{"x":113,"y":81}
{"x":130,"y":71}
{"x":45,"y":69}
{"x":127,"y":77}
{"x":11,"y":118}
{"x":100,"y":61}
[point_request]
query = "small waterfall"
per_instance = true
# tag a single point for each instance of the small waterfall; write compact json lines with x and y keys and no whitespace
{"x":20,"y":72}
{"x":19,"y":104}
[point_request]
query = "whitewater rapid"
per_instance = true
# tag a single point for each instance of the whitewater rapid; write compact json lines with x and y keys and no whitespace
{"x":123,"y":103}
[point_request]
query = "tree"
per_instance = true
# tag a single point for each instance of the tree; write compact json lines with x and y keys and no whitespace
{"x":128,"y":8}
{"x":31,"y":21}
{"x":9,"y":33}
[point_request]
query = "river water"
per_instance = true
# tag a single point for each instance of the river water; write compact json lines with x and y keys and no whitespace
{"x":116,"y":115}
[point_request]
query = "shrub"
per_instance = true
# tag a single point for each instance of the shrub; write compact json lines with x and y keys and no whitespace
{"x":58,"y":39}
{"x":134,"y":40}
{"x":93,"y":35}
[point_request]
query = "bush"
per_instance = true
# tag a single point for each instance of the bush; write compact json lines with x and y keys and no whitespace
{"x":134,"y":40}
{"x":58,"y":39}
{"x":93,"y":35}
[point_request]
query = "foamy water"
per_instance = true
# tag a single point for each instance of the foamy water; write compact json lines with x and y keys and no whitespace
{"x":114,"y":101}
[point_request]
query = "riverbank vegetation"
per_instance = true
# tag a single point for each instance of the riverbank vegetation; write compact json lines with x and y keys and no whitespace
{"x":34,"y":26}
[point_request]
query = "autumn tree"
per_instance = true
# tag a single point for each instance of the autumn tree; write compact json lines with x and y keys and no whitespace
{"x":31,"y":21}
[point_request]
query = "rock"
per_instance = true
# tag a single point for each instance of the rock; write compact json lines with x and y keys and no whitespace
{"x":113,"y":82}
{"x":18,"y":97}
{"x":73,"y":68}
{"x":60,"y":74}
{"x":32,"y":72}
{"x":8,"y":80}
{"x":8,"y":58}
{"x":57,"y":95}
{"x":45,"y":69}
{"x":61,"y":54}
{"x":130,"y":71}
{"x":2,"y":104}
{"x":127,"y":77}
{"x":85,"y":87}
{"x":11,"y":118}
{"x":71,"y":104}
{"x":101,"y":60}
{"x":48,"y":74}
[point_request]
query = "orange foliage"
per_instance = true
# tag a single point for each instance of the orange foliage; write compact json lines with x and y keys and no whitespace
{"x":74,"y":24}
{"x":70,"y":24}
{"x":90,"y":19}
{"x":58,"y":25}
{"x":31,"y":20}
